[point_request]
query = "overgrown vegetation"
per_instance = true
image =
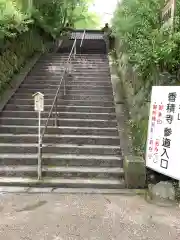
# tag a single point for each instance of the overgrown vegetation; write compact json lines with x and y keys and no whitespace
{"x":26,"y":27}
{"x":148,"y":53}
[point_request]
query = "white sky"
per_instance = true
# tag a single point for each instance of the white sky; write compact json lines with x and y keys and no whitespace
{"x":104,"y":8}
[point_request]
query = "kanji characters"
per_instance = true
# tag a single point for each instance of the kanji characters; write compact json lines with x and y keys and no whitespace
{"x":172,"y":96}
{"x":167,"y":132}
{"x":170,"y":107}
{"x":169,"y":118}
{"x":166,"y":142}
{"x":165,"y":153}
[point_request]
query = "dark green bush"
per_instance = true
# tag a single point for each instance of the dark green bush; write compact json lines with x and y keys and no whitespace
{"x":147,"y":54}
{"x":18,"y":53}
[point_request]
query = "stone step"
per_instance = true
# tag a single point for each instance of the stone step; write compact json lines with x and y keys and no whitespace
{"x":80,"y":97}
{"x":21,"y":112}
{"x":75,"y":76}
{"x":60,"y":139}
{"x":50,"y":89}
{"x":64,"y":183}
{"x":65,"y":55}
{"x":62,"y":160}
{"x":94,"y":72}
{"x":19,"y":105}
{"x":78,"y":55}
{"x":27,"y":99}
{"x":61,"y":122}
{"x":69,"y":86}
{"x":76,"y":62}
{"x":29,"y":190}
{"x":58,"y":74}
{"x":13,"y":129}
{"x":60,"y":69}
{"x":89,"y":98}
{"x":60,"y":149}
{"x":73,"y":83}
{"x":80,"y":65}
{"x":63,"y":172}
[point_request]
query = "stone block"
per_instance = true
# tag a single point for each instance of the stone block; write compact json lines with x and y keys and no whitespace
{"x":163,"y":190}
{"x":135,"y":172}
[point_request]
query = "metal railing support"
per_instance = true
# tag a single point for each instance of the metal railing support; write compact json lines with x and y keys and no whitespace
{"x":83,"y":36}
{"x":56,"y":115}
{"x":53,"y":108}
{"x":39,"y":147}
{"x":65,"y":85}
{"x":74,"y":55}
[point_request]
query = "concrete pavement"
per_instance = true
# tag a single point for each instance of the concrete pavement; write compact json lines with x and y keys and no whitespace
{"x":85,"y":217}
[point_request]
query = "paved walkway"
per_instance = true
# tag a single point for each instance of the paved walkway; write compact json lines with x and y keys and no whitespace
{"x":85,"y":217}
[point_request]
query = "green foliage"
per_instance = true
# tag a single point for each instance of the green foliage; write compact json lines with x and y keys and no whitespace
{"x":12,"y":20}
{"x":148,"y":54}
{"x":91,"y":21}
{"x":50,"y":15}
{"x":26,"y":25}
{"x":53,"y":15}
{"x":149,"y":45}
{"x":17,"y":53}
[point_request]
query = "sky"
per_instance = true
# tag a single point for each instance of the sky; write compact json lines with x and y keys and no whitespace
{"x":104,"y":8}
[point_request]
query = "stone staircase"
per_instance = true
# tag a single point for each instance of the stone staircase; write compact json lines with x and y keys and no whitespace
{"x":84,"y":150}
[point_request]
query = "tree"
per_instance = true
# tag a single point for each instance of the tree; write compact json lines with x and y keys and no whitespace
{"x":138,"y":25}
{"x":53,"y":15}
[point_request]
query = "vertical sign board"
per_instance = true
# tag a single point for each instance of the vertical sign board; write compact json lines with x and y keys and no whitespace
{"x":168,"y":12}
{"x":163,"y":142}
{"x":38,"y":102}
{"x":39,"y":107}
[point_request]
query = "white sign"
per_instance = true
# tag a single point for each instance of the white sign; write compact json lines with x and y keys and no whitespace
{"x":38,"y":102}
{"x":168,"y":12}
{"x":163,"y":142}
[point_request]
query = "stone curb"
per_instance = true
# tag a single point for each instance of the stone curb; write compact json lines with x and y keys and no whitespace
{"x":34,"y":190}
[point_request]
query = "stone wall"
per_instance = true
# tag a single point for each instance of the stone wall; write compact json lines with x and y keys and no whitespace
{"x":18,"y":52}
{"x":137,"y":96}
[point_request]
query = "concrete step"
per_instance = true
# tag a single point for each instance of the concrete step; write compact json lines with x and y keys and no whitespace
{"x":59,"y":74}
{"x":65,"y":55}
{"x":79,"y":65}
{"x":53,"y":89}
{"x":29,"y":190}
{"x":60,"y":149}
{"x":19,"y":106}
{"x":75,"y":76}
{"x":80,"y":97}
{"x":60,"y":139}
{"x":63,"y":183}
{"x":60,"y":69}
{"x":63,"y":172}
{"x":28,"y":99}
{"x":77,"y":56}
{"x":89,"y":98}
{"x":73,"y":83}
{"x":73,"y":115}
{"x":69,"y":86}
{"x":61,"y":122}
{"x":78,"y":62}
{"x":62,"y":160}
{"x":13,"y":129}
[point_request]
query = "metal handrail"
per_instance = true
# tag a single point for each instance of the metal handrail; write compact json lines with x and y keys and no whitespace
{"x":54,"y":104}
{"x":83,"y":36}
